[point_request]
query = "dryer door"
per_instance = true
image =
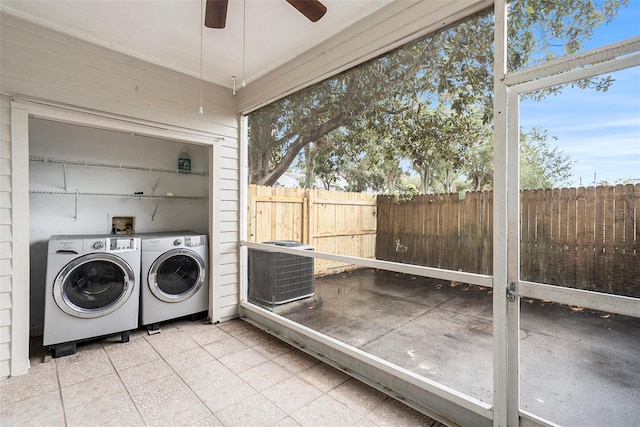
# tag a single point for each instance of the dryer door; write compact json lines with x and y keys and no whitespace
{"x":93,"y":285}
{"x":176,"y":275}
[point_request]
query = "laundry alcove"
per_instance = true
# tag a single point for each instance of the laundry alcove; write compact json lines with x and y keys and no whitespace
{"x":80,"y":178}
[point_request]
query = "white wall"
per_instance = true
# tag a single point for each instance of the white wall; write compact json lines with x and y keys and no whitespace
{"x":5,"y":237}
{"x":77,"y":82}
{"x":56,"y":214}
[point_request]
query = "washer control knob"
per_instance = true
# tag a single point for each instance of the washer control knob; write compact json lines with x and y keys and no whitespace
{"x":98,"y":245}
{"x":177,"y":242}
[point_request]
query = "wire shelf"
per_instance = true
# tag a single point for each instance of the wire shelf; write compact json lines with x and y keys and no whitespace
{"x":45,"y":159}
{"x":117,"y":195}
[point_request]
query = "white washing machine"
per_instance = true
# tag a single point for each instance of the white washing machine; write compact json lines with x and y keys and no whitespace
{"x":92,"y":289}
{"x":175,"y":276}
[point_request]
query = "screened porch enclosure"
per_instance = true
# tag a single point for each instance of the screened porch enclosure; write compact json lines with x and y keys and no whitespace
{"x":507,"y":332}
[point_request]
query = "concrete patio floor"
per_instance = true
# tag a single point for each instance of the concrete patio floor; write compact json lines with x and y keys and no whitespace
{"x":579,"y":367}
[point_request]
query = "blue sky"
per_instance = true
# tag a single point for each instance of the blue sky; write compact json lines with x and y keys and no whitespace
{"x":600,"y":131}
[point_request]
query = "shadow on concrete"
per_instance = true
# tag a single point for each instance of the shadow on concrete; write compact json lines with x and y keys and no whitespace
{"x":579,"y":367}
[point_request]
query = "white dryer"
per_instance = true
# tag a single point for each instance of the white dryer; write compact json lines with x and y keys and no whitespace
{"x":175,"y":275}
{"x":92,"y":289}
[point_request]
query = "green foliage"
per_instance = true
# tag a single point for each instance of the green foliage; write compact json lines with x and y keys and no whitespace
{"x":479,"y":166}
{"x":408,"y":193}
{"x":541,"y":30}
{"x":540,"y":165}
{"x":428,"y":103}
{"x":437,"y":142}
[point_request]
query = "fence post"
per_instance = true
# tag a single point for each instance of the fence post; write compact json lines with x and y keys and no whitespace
{"x":306,"y":217}
{"x":251,"y":206}
{"x":309,"y":223}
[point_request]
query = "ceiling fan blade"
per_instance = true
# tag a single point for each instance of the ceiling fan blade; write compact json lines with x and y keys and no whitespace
{"x":215,"y":15}
{"x":312,"y":9}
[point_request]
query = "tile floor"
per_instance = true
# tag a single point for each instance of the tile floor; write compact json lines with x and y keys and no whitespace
{"x":230,"y":374}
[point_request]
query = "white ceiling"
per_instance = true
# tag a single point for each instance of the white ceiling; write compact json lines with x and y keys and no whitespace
{"x":167,"y":32}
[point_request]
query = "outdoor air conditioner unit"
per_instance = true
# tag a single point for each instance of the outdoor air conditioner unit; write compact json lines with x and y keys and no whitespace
{"x":277,"y":278}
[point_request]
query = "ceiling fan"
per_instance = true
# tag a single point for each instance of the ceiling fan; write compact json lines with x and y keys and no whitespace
{"x":216,"y":11}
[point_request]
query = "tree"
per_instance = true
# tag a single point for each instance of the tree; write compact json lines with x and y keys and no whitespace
{"x":320,"y":161}
{"x":436,"y":142}
{"x":446,"y":175}
{"x":365,"y":172}
{"x":327,"y":163}
{"x":356,"y":158}
{"x":434,"y":70}
{"x":362,"y":178}
{"x":479,"y":166}
{"x":540,"y":165}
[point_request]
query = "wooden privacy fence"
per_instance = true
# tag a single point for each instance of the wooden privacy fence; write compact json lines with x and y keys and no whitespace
{"x":437,"y":230}
{"x":585,"y":238}
{"x":330,"y":221}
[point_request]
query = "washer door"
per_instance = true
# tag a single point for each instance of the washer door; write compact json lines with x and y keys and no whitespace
{"x":93,"y":285}
{"x":176,"y":275}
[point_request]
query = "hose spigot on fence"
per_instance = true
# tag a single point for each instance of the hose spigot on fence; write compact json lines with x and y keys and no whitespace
{"x":400,"y":247}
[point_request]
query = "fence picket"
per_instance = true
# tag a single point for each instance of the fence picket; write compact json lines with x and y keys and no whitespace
{"x":581,"y":232}
{"x":569,"y":237}
{"x":633,"y":243}
{"x":586,"y":237}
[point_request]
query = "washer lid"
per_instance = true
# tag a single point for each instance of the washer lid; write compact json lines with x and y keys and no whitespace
{"x":176,"y":275}
{"x":93,"y":285}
